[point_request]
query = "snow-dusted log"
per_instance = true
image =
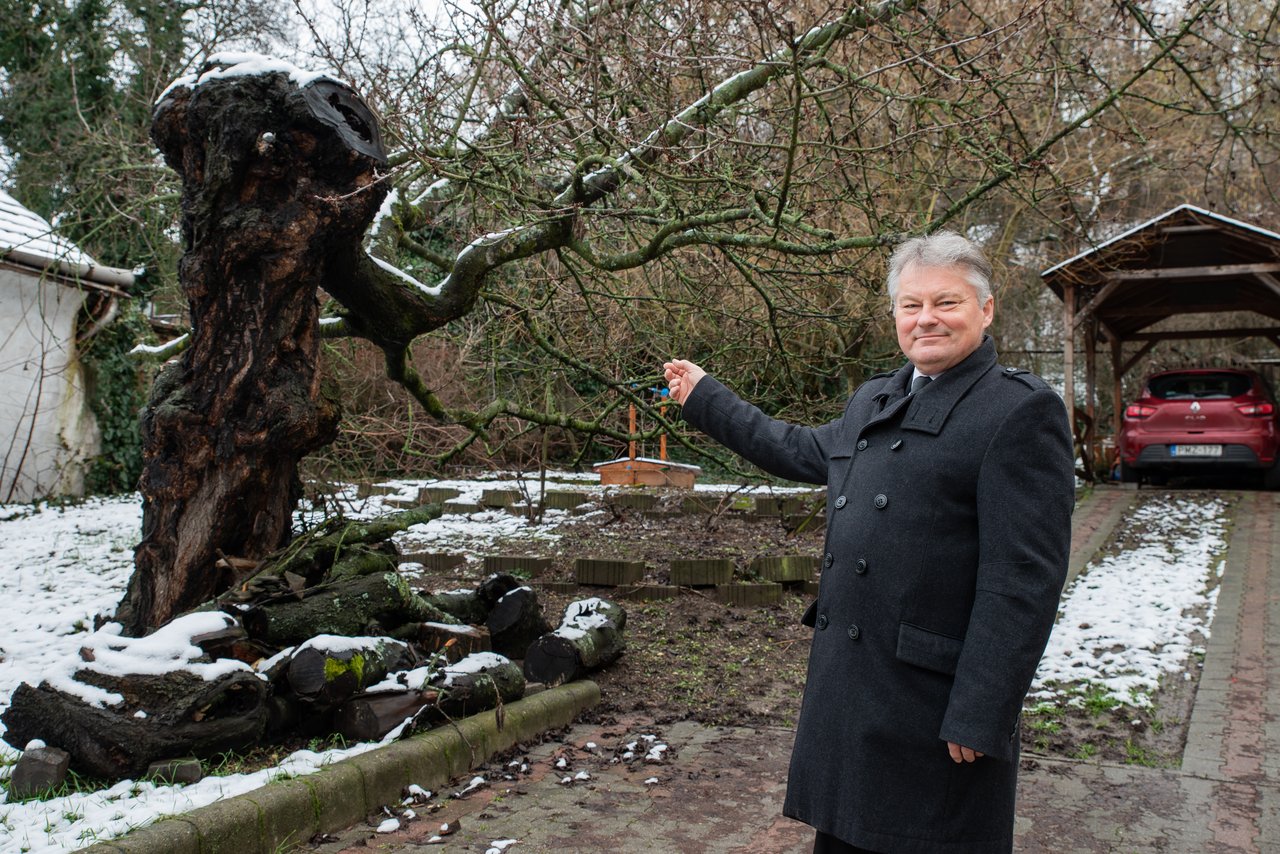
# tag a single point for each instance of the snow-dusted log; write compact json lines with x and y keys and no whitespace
{"x":183,"y":716}
{"x":515,"y":622}
{"x":476,"y":683}
{"x":327,"y":670}
{"x":122,"y":703}
{"x":589,"y":637}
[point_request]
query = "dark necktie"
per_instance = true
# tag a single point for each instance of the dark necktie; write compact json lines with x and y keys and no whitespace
{"x":920,"y":382}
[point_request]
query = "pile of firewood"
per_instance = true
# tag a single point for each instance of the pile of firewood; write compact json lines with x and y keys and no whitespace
{"x":324,"y":636}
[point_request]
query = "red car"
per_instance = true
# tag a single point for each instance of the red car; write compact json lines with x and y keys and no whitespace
{"x":1201,"y":421}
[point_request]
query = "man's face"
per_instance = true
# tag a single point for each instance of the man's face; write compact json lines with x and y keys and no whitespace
{"x":938,"y":316}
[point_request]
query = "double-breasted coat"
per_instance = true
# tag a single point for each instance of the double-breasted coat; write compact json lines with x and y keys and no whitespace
{"x":948,"y":531}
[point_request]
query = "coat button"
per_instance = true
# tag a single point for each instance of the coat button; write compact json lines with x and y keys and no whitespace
{"x":862,"y":444}
{"x":854,"y":633}
{"x":827,"y":560}
{"x":860,"y":567}
{"x":881,"y":501}
{"x":822,"y":621}
{"x":897,"y":443}
{"x":841,"y":501}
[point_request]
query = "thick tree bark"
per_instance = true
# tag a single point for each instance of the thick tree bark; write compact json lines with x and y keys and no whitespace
{"x":279,"y":185}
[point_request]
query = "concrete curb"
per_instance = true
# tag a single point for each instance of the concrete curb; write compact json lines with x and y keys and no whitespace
{"x":290,"y":812}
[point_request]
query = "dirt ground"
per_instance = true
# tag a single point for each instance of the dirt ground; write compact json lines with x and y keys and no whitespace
{"x":695,"y":658}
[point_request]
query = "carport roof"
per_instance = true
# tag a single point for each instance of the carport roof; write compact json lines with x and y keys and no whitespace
{"x":1186,"y":261}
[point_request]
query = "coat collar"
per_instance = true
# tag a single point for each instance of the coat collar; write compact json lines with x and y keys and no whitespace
{"x":927,"y":412}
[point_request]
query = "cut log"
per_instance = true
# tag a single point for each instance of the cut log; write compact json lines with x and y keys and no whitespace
{"x":327,"y":670}
{"x":182,"y":715}
{"x":353,"y":607}
{"x":369,"y":717}
{"x":515,"y":622}
{"x":473,"y":606}
{"x":589,"y":637}
{"x":476,"y":683}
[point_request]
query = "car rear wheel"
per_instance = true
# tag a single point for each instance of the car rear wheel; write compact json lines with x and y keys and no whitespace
{"x":1127,"y":473}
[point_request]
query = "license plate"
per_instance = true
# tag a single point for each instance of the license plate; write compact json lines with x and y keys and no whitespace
{"x":1195,"y":450}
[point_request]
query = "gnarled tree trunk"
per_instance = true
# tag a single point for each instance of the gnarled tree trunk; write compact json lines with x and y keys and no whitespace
{"x":279,"y":185}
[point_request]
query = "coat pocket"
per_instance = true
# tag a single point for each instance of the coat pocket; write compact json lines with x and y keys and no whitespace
{"x":928,"y":649}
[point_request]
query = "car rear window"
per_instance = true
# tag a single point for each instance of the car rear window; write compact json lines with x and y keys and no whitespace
{"x":1199,"y":386}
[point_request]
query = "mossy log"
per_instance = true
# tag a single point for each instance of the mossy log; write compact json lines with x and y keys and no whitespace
{"x":183,"y":715}
{"x":515,"y":622}
{"x":332,"y":552}
{"x":589,"y":637}
{"x":328,"y":670}
{"x":375,"y":604}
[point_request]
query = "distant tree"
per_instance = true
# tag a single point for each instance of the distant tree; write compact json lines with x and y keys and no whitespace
{"x":78,"y":79}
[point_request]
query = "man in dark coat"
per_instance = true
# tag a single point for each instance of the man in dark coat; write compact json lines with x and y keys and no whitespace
{"x":948,"y":528}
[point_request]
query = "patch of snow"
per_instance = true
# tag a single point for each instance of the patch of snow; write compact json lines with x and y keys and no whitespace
{"x":1130,"y":618}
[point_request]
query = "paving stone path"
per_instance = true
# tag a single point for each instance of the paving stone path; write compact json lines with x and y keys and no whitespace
{"x":720,"y":789}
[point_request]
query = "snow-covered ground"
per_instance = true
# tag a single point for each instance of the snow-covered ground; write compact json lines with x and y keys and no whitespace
{"x":1129,"y":619}
{"x":62,"y":566}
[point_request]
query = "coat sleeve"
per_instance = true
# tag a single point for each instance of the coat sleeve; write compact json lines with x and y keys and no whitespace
{"x":785,"y":450}
{"x":1025,"y":492}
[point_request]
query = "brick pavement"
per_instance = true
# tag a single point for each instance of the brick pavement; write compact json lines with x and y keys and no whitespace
{"x":721,"y":790}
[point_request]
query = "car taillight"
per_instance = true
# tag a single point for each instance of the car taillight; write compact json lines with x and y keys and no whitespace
{"x":1257,"y":410}
{"x":1138,"y":411}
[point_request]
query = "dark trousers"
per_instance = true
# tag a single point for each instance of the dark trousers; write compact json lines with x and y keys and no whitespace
{"x":825,"y":843}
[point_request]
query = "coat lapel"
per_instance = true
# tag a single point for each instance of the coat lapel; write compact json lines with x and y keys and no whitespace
{"x":929,"y":410}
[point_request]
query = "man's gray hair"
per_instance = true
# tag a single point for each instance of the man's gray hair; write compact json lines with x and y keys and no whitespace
{"x":942,"y":249}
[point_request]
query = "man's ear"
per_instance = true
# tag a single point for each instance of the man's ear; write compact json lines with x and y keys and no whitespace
{"x":988,"y":312}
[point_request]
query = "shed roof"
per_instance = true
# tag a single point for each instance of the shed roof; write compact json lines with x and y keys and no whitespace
{"x":27,"y":240}
{"x":1188,"y":260}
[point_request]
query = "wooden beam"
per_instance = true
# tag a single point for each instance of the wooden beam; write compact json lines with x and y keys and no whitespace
{"x":1101,"y":295}
{"x":1128,"y":364}
{"x":1270,"y":282}
{"x":1213,"y":271}
{"x":1187,"y":229}
{"x":1166,"y":309}
{"x":1246,"y":332}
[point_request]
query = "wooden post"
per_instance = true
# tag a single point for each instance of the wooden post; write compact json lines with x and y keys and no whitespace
{"x":631,"y":428}
{"x":1090,"y":394}
{"x":1068,"y":353}
{"x":1117,"y":397}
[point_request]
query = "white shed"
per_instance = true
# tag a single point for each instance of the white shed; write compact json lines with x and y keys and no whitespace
{"x":52,"y":297}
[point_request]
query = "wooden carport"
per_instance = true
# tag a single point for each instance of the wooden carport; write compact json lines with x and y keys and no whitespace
{"x":1187,"y":261}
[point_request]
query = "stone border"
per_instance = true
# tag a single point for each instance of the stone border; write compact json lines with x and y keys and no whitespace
{"x":290,"y":812}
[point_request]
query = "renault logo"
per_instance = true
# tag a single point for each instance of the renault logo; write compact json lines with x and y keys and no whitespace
{"x":1195,"y":406}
